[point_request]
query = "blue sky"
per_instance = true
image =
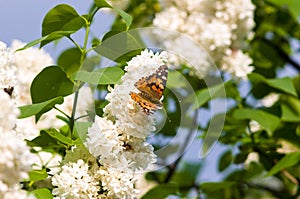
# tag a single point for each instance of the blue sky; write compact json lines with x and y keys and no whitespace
{"x":22,"y":20}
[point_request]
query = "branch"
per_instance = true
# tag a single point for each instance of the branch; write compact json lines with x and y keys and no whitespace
{"x":173,"y":167}
{"x":283,"y":54}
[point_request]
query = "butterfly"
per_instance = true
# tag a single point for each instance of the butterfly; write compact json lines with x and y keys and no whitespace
{"x":151,"y":89}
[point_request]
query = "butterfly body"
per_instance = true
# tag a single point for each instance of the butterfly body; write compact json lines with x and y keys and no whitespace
{"x":151,"y":89}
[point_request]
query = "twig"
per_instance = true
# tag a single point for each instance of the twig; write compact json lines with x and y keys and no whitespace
{"x":173,"y":167}
{"x":290,"y":177}
{"x":283,"y":54}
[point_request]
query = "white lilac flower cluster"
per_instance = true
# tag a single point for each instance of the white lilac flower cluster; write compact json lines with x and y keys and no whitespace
{"x":15,"y":157}
{"x":116,"y":148}
{"x":18,"y":69}
{"x":7,"y":67}
{"x":82,"y":177}
{"x":220,"y":27}
{"x":8,"y":70}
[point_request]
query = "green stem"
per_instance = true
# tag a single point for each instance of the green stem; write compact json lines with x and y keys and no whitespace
{"x":82,"y":116}
{"x":72,"y":120}
{"x":62,"y":112}
{"x":75,"y":43}
{"x":83,"y":55}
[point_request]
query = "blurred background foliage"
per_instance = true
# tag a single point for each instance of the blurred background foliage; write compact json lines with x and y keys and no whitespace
{"x":259,"y":162}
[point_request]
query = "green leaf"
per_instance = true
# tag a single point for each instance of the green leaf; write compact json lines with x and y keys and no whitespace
{"x":227,"y":89}
{"x":69,"y":61}
{"x":39,"y":108}
{"x":46,"y":39}
{"x":283,"y":84}
{"x":50,"y":83}
{"x":42,"y":193}
{"x":110,"y":34}
{"x":36,"y":175}
{"x":59,"y":136}
{"x":298,"y":130}
{"x":208,"y":187}
{"x":241,"y":157}
{"x":204,"y":95}
{"x":54,"y":36}
{"x":187,"y":175}
{"x":268,"y":121}
{"x":126,"y":17}
{"x":225,"y":160}
{"x":175,"y":80}
{"x":103,"y":76}
{"x":32,"y":43}
{"x":81,"y":129}
{"x":256,"y":78}
{"x":102,"y":4}
{"x":47,"y":143}
{"x":288,"y":160}
{"x":265,"y":57}
{"x":296,"y":82}
{"x":62,"y":17}
{"x":95,"y":42}
{"x":161,"y":191}
{"x":90,"y":63}
{"x":294,"y":5}
{"x":121,"y":47}
{"x":290,"y":108}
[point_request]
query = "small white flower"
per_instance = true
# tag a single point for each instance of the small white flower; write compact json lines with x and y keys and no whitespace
{"x":252,"y":157}
{"x":75,"y":181}
{"x":115,"y":151}
{"x":270,"y":99}
{"x":9,"y":112}
{"x":238,"y":63}
{"x":254,"y":126}
{"x":221,"y":37}
{"x":169,"y":15}
{"x":103,"y":141}
{"x":15,"y":159}
{"x":117,"y":184}
{"x":7,"y":67}
{"x":15,"y":193}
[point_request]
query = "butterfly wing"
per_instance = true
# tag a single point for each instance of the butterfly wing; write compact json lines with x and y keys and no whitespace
{"x":147,"y":106}
{"x":152,"y":87}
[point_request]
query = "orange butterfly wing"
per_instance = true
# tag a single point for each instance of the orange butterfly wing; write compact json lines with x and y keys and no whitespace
{"x":151,"y":89}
